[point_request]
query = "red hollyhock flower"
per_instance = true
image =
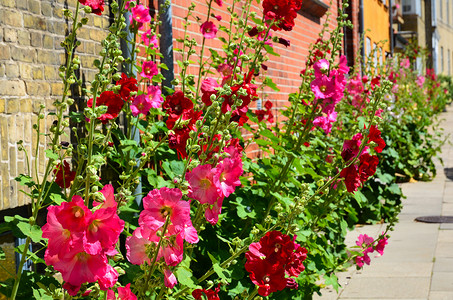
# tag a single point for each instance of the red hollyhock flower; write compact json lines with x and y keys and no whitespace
{"x":210,"y":294}
{"x":176,"y":104}
{"x":351,"y":147}
{"x":351,"y":178}
{"x":128,"y":85}
{"x":260,"y":114}
{"x":113,"y":102}
{"x":367,"y":167}
{"x":283,"y":12}
{"x":271,"y":258}
{"x":64,"y":176}
{"x":97,"y":6}
{"x":375,"y":136}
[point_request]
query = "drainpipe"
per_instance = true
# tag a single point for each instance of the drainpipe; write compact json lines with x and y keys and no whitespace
{"x":391,"y":27}
{"x":361,"y":36}
{"x":166,"y":43}
{"x":126,"y":48}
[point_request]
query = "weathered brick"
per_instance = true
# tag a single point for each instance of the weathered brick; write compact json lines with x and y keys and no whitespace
{"x":97,"y":21}
{"x":34,"y":22}
{"x":2,"y":70}
{"x":10,"y":35}
{"x":56,"y":27}
{"x":12,"y":18}
{"x":12,"y":70}
{"x":25,"y":71}
{"x":4,"y":52}
{"x":12,"y":107}
{"x":12,"y":156}
{"x":37,"y":73}
{"x":12,"y":192}
{"x":23,"y":54}
{"x":48,"y":57}
{"x":12,"y":88}
{"x":26,"y":106}
{"x":2,"y":105}
{"x":35,"y":88}
{"x":34,"y":6}
{"x":1,"y":34}
{"x":97,"y":35}
{"x":46,"y":9}
{"x":51,"y":73}
{"x":36,"y":39}
{"x":24,"y":38}
{"x":8,"y":3}
{"x":47,"y":41}
{"x":57,"y":88}
{"x":58,"y":12}
{"x":4,"y":138}
{"x":21,"y":4}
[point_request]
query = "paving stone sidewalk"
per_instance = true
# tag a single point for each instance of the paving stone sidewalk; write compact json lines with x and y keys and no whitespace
{"x":418,"y":261}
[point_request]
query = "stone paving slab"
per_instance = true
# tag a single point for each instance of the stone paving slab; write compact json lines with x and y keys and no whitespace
{"x":440,"y":295}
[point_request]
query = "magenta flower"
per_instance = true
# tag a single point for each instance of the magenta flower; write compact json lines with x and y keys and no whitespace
{"x":381,"y":245}
{"x":219,"y":2}
{"x":227,"y":175}
{"x":149,"y":39}
{"x":420,"y":81}
{"x":321,"y":67}
{"x":323,"y":87}
{"x":159,"y":204}
{"x":203,"y":186}
{"x":169,"y":279}
{"x":109,"y":196}
{"x":208,"y":29}
{"x":124,"y":293}
{"x":140,"y":14}
{"x":155,"y":96}
{"x":136,"y":246}
{"x":325,"y":122}
{"x":149,"y":69}
{"x":140,"y":105}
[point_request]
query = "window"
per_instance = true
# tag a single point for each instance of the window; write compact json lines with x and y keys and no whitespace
{"x":441,"y":59}
{"x":448,"y":62}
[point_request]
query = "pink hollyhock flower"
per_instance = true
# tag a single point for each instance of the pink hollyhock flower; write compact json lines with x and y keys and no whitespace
{"x":136,"y":246}
{"x":381,"y":245}
{"x":365,"y":242}
{"x":405,"y":63}
{"x":321,"y":67}
{"x":105,"y":228}
{"x":325,"y":122}
{"x":149,"y":69}
{"x":61,"y":240}
{"x":420,"y":81}
{"x":226,"y":70}
{"x":190,"y":234}
{"x":219,"y":2}
{"x":323,"y":87}
{"x":203,"y":186}
{"x":109,"y":279}
{"x":212,"y":213}
{"x":149,"y":39}
{"x":140,"y":14}
{"x":218,"y":17}
{"x":124,"y":293}
{"x":159,"y":204}
{"x":208,"y":88}
{"x":78,"y":267}
{"x":169,"y":279}
{"x":208,"y":29}
{"x":155,"y":96}
{"x":109,"y":196}
{"x":141,"y":105}
{"x":227,"y":176}
{"x":173,"y":250}
{"x":73,"y":215}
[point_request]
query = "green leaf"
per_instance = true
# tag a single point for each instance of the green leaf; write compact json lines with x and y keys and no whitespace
{"x":223,"y":274}
{"x":2,"y":254}
{"x":360,"y":198}
{"x":184,"y":274}
{"x":177,"y":167}
{"x":270,"y":50}
{"x":57,"y":199}
{"x":268,"y":81}
{"x":34,"y":232}
{"x":51,"y":155}
{"x":25,"y":180}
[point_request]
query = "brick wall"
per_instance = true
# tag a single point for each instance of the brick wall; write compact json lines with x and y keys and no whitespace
{"x":283,"y":70}
{"x":30,"y":55}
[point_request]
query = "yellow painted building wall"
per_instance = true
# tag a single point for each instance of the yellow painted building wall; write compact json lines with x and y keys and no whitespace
{"x":376,"y":25}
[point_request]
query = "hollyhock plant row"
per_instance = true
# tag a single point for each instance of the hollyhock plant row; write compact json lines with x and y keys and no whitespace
{"x":153,"y":195}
